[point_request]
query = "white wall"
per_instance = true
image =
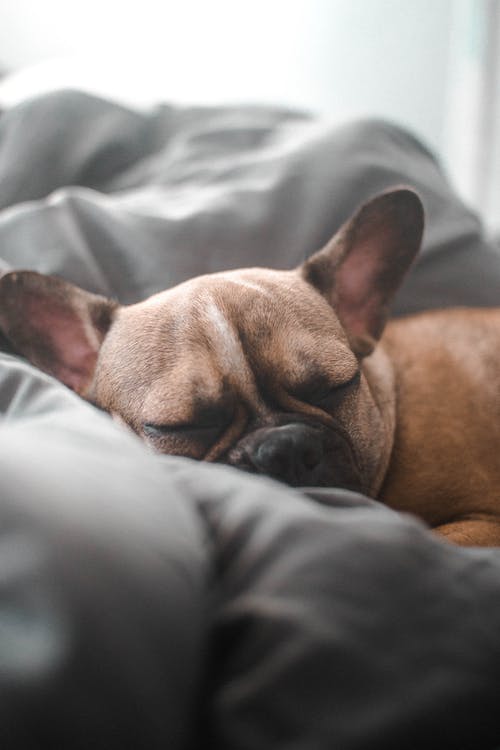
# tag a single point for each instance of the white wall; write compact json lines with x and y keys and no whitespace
{"x":419,"y":62}
{"x":341,"y":57}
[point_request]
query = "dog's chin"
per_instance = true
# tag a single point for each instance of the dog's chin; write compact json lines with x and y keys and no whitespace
{"x":341,"y":478}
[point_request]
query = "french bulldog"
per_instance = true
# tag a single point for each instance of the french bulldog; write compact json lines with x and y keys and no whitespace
{"x":295,"y":373}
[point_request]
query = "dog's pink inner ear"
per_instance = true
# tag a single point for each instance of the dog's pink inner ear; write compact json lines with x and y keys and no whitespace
{"x":362,"y":266}
{"x":56,"y":325}
{"x":62,"y":341}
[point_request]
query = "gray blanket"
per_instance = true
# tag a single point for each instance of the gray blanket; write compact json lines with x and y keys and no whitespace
{"x":148,"y":601}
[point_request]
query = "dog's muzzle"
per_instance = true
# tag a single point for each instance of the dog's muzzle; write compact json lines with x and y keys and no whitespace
{"x":299,"y":454}
{"x":291,"y":453}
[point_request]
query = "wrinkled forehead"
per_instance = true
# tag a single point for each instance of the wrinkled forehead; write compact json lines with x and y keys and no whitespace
{"x":258,"y":308}
{"x":225,"y":326}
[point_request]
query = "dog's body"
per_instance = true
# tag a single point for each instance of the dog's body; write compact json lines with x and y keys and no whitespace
{"x":445,"y":463}
{"x":277,"y":372}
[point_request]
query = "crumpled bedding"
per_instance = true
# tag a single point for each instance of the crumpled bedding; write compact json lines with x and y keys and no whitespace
{"x":150,"y":601}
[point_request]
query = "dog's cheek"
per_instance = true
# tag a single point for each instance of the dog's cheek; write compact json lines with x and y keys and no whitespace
{"x":372,"y":441}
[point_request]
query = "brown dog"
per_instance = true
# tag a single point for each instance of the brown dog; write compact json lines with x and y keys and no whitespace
{"x":278,"y":372}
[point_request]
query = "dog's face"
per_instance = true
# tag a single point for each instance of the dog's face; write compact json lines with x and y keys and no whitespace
{"x":261,"y":369}
{"x":249,"y":367}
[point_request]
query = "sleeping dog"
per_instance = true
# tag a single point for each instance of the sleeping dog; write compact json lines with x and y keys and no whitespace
{"x":294,"y":373}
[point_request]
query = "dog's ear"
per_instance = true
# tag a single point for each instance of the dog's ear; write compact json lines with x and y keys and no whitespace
{"x":55,"y":325}
{"x":362,"y":266}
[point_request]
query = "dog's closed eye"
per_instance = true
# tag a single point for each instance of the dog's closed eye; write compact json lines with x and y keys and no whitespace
{"x":204,"y":425}
{"x":323,"y":394}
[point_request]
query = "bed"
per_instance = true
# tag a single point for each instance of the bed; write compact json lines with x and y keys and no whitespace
{"x":150,"y":601}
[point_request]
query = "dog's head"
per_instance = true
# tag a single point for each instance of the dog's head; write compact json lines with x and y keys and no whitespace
{"x":262,"y":369}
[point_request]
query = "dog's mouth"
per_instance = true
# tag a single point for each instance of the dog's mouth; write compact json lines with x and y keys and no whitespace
{"x":300,"y":454}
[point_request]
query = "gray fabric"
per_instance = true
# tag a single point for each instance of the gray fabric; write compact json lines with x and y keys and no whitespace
{"x":103,"y":583}
{"x":127,"y":204}
{"x":153,"y":597}
{"x":151,"y":602}
{"x":346,"y":628}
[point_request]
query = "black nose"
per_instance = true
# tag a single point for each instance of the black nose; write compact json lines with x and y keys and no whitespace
{"x":290,"y":453}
